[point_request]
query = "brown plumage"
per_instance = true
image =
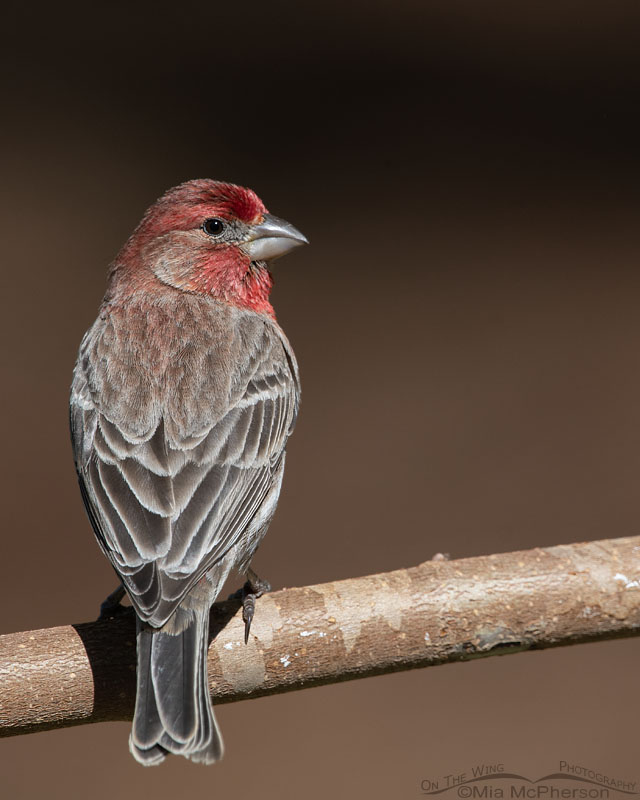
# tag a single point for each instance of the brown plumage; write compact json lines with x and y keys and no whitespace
{"x":184,"y":394}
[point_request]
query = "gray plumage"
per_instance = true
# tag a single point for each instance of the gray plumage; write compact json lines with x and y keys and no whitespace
{"x":181,"y":407}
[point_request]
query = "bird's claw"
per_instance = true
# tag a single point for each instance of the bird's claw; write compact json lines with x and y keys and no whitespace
{"x":111,"y":610}
{"x":248,"y":608}
{"x":254,"y":588}
{"x":111,"y":606}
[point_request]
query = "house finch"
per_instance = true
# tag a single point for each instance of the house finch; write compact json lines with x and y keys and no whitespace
{"x":184,"y":395}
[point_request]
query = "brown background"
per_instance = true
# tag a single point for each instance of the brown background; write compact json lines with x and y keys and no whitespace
{"x":465,"y":319}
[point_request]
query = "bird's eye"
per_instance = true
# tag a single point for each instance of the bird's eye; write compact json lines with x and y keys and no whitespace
{"x":213,"y":226}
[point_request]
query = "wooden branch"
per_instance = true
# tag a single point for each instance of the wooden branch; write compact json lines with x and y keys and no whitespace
{"x":438,"y":612}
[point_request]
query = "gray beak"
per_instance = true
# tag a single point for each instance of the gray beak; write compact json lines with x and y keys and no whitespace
{"x":271,"y":239}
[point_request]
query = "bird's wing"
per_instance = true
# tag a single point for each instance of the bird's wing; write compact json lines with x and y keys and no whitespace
{"x":167,"y":504}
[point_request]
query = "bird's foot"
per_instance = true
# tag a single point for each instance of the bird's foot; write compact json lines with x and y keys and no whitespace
{"x":111,"y":606}
{"x":254,"y":588}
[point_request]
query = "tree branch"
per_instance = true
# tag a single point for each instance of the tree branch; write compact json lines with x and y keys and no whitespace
{"x":438,"y":612}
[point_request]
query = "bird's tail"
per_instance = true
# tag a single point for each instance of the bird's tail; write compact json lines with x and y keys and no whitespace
{"x":173,"y":710}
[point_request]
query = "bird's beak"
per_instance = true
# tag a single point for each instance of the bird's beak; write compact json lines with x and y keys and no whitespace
{"x":271,"y":239}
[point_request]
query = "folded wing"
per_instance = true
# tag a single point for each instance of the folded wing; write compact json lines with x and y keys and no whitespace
{"x":168,"y":503}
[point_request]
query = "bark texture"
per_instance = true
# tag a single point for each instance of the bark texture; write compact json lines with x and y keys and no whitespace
{"x":435,"y":613}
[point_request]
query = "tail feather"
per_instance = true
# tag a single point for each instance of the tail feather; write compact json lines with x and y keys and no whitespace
{"x":173,"y":710}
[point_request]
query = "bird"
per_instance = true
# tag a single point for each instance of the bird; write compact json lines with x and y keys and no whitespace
{"x":184,"y":394}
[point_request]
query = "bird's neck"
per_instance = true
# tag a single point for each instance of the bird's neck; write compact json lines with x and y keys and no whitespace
{"x":246,"y":285}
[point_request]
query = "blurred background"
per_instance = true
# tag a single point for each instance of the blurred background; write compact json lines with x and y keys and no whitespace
{"x":465,"y":319}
